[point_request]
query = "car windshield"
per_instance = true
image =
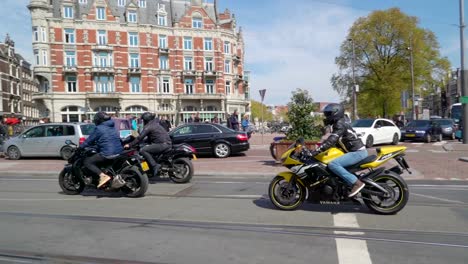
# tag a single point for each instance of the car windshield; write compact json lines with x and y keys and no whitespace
{"x":87,"y":129}
{"x":443,"y":122}
{"x":419,"y":123}
{"x":363,"y":123}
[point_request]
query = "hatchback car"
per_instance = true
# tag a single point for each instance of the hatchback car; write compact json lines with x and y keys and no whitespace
{"x":448,"y":127}
{"x":377,"y":131}
{"x":47,"y":140}
{"x":211,"y":139}
{"x":425,"y":130}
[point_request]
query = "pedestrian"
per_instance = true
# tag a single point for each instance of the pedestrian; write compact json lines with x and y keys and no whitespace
{"x":245,"y":123}
{"x":215,"y":119}
{"x":191,"y":118}
{"x":165,"y":123}
{"x":197,"y":118}
{"x":234,"y":121}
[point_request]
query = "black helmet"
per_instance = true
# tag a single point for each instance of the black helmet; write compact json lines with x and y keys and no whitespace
{"x":147,"y":117}
{"x":333,"y":113}
{"x":101,"y":117}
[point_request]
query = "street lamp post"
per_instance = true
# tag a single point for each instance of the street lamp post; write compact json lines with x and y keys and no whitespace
{"x":353,"y":63}
{"x":413,"y":102}
{"x":464,"y":89}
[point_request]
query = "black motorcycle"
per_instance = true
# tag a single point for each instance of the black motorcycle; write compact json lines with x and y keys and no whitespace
{"x":176,"y":163}
{"x":125,"y":170}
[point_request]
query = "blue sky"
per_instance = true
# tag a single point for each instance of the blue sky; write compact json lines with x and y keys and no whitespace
{"x":290,"y":43}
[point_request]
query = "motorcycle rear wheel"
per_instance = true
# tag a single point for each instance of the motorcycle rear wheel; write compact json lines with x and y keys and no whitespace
{"x":390,"y":205}
{"x":286,"y":197}
{"x":69,"y":184}
{"x":136,"y":184}
{"x":182,"y":171}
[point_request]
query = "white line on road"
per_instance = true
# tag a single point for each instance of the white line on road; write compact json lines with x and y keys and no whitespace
{"x":350,"y":251}
{"x":437,"y":198}
{"x":253,"y":196}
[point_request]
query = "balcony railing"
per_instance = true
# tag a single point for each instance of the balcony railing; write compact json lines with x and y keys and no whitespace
{"x":134,"y":70}
{"x":99,"y":69}
{"x":210,"y":74}
{"x":102,"y":48}
{"x":70,"y":69}
{"x":163,"y":51}
{"x":190,"y":73}
{"x":99,"y":95}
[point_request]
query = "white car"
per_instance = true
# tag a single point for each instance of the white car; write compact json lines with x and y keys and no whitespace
{"x":377,"y":131}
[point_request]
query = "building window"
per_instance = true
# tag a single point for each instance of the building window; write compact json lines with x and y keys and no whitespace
{"x":104,"y":84}
{"x":102,"y":37}
{"x":197,"y":22}
{"x":37,"y":58}
{"x":228,"y":88}
{"x":83,"y":1}
{"x":134,"y":60}
{"x":166,"y":86}
{"x":69,"y":36}
{"x":209,"y":64}
{"x":103,"y":59}
{"x":135,"y":84}
{"x":133,"y":39}
{"x":188,"y":63}
{"x":136,"y":109}
{"x":189,"y":86}
{"x":132,"y":16}
{"x":162,"y":20}
{"x":70,"y":58}
{"x":142,"y":3}
{"x":163,"y":65}
{"x":209,"y":86}
{"x":101,"y":13}
{"x":163,"y":41}
{"x":104,"y":108}
{"x":35,"y":34}
{"x":227,"y":47}
{"x":44,"y":58}
{"x":71,"y":114}
{"x":71,"y":84}
{"x":122,"y":2}
{"x":208,"y":44}
{"x":187,"y":43}
{"x":68,"y":12}
{"x":43,"y":34}
{"x":227,"y":66}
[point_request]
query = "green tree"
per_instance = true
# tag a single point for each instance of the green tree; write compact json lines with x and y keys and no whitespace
{"x":256,"y":110}
{"x":300,"y":116}
{"x":382,"y":44}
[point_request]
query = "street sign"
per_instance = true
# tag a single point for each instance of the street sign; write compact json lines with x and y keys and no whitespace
{"x":262,"y":93}
{"x":464,"y":99}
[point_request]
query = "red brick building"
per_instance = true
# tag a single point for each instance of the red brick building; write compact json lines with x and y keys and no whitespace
{"x":172,"y":57}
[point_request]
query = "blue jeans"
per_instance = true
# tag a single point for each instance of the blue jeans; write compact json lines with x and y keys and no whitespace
{"x":338,"y":165}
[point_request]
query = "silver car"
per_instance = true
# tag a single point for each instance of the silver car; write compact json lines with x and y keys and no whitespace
{"x":47,"y":140}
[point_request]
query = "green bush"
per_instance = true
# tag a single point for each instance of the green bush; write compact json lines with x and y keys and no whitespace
{"x":303,"y":124}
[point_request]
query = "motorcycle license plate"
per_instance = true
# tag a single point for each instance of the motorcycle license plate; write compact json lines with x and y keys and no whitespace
{"x":410,"y":135}
{"x":145,"y":166}
{"x":194,"y":157}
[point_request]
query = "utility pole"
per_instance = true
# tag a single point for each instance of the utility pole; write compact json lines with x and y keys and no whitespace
{"x":464,"y":89}
{"x":413,"y":113}
{"x":353,"y":63}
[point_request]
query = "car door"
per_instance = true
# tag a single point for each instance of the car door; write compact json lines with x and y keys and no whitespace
{"x":378,"y":132}
{"x":205,"y":137}
{"x":56,"y":135}
{"x":183,"y":134}
{"x":389,"y":131}
{"x":33,"y":142}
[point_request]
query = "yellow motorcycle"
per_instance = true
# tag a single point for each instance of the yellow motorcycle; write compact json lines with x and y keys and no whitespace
{"x":309,"y":179}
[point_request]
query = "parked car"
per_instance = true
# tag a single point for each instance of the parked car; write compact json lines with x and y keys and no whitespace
{"x":47,"y":140}
{"x":426,"y":130}
{"x":377,"y":131}
{"x":211,"y":139}
{"x":448,"y":127}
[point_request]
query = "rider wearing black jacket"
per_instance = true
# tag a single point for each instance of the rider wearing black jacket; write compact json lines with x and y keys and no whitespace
{"x":343,"y":134}
{"x":157,"y":137}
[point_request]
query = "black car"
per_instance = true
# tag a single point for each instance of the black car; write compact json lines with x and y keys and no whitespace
{"x":448,"y":127}
{"x":211,"y":139}
{"x":426,"y":130}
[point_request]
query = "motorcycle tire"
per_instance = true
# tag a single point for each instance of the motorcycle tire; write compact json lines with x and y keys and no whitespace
{"x":278,"y":201}
{"x":376,"y":204}
{"x":78,"y":185}
{"x":187,"y":174}
{"x":136,"y":183}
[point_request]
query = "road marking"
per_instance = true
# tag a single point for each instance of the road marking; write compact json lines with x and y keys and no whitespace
{"x":437,"y":151}
{"x":440,"y":143}
{"x":253,"y":196}
{"x":437,"y":198}
{"x":11,"y":260}
{"x":350,"y":251}
{"x":455,"y":179}
{"x":417,"y":143}
{"x":412,"y":150}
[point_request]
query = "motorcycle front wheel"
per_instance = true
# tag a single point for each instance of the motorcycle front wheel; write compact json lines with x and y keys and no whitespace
{"x":182,"y":171}
{"x":392,"y":203}
{"x":70,"y":184}
{"x":286,"y":196}
{"x":136,"y":184}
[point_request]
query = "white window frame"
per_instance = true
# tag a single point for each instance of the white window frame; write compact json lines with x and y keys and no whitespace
{"x":70,"y":60}
{"x":122,"y":3}
{"x":68,"y":12}
{"x":166,"y":86}
{"x":72,"y":87}
{"x":83,"y":1}
{"x":135,"y":37}
{"x":197,"y":22}
{"x":36,"y":34}
{"x":188,"y":43}
{"x":209,"y":64}
{"x":43,"y":34}
{"x":228,"y":87}
{"x":100,"y":13}
{"x":101,"y":61}
{"x":132,"y":16}
{"x":208,"y":44}
{"x":163,"y":41}
{"x":70,"y":37}
{"x":163,"y":64}
{"x":37,"y":56}
{"x":188,"y":88}
{"x":188,"y":63}
{"x":210,"y":86}
{"x":142,"y":3}
{"x":133,"y":88}
{"x":162,"y":20}
{"x":134,"y":61}
{"x":45,"y":58}
{"x":227,"y":66}
{"x":102,"y":37}
{"x":104,"y":87}
{"x":227,"y":47}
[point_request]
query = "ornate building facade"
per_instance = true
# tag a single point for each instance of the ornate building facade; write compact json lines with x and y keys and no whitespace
{"x":172,"y":57}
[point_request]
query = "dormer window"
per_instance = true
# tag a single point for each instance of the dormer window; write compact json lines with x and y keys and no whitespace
{"x":162,"y":20}
{"x":142,"y":3}
{"x":197,"y":22}
{"x":122,"y":3}
{"x":101,"y":13}
{"x":132,"y":16}
{"x":83,"y":2}
{"x":68,"y":12}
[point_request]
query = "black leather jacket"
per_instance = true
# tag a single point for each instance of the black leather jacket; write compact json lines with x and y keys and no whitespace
{"x":155,"y":132}
{"x":343,"y":134}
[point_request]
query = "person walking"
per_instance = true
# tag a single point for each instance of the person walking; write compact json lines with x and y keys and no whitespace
{"x":234,"y":121}
{"x":245,"y":123}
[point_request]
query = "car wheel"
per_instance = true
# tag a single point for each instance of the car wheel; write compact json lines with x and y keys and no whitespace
{"x":369,"y":141}
{"x":395,"y":139}
{"x":222,"y":150}
{"x":428,"y":138}
{"x":13,"y":153}
{"x":66,"y":152}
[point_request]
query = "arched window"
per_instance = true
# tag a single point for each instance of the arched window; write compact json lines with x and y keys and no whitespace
{"x":72,"y":114}
{"x":211,"y":108}
{"x":104,"y":108}
{"x":165,"y":107}
{"x":136,"y":109}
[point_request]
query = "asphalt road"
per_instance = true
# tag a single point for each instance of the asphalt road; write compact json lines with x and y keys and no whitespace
{"x":224,"y":220}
